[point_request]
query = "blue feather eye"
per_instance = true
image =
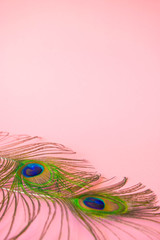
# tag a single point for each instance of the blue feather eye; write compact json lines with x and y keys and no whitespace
{"x":36,"y":184}
{"x":32,"y":170}
{"x":100,"y":204}
{"x":94,"y":203}
{"x":51,"y":179}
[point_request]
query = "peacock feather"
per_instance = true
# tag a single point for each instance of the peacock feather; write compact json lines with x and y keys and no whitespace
{"x":45,"y":195}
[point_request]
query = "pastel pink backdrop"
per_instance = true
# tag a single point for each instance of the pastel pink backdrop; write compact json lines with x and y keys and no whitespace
{"x":85,"y":74}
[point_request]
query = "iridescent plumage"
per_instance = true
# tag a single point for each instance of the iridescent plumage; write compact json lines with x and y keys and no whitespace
{"x":43,"y":189}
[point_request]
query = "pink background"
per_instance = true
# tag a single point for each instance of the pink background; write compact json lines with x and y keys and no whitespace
{"x":85,"y":74}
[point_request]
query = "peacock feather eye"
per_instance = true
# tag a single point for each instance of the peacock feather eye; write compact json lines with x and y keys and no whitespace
{"x":100,"y":204}
{"x":34,"y":173}
{"x":32,"y":170}
{"x":95,"y":203}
